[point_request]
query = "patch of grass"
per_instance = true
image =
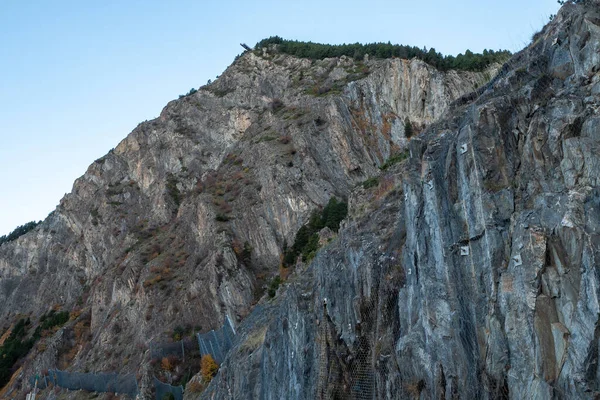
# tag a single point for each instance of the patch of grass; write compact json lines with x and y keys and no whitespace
{"x":220,"y":92}
{"x":370,"y":183}
{"x":194,"y":387}
{"x":394,"y":159}
{"x":114,"y":189}
{"x":293,"y":113}
{"x":152,"y":281}
{"x":254,"y":340}
{"x":325,"y":89}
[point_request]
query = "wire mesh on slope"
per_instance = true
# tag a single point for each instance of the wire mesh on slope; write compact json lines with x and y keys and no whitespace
{"x":42,"y":382}
{"x":161,"y":389}
{"x":101,"y":382}
{"x":217,"y":343}
{"x":344,"y":373}
{"x":178,"y":349}
{"x":362,"y":375}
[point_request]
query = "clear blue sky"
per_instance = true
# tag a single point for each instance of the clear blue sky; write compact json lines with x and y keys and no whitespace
{"x":77,"y":76}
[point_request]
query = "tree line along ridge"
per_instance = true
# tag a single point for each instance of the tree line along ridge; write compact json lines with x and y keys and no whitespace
{"x":18,"y":232}
{"x":468,"y":61}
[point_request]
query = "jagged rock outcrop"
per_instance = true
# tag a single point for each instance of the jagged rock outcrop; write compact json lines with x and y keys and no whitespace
{"x":471,"y":270}
{"x":152,"y":235}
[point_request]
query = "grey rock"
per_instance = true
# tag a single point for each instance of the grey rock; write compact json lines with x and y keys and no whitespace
{"x":514,"y":316}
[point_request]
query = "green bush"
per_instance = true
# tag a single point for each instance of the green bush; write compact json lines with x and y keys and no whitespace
{"x":371,"y":183}
{"x":273,"y":286}
{"x":191,"y":92}
{"x":173,"y":190}
{"x":15,"y":347}
{"x":394,"y":159}
{"x":306,"y":242}
{"x":408,"y":128}
{"x":49,"y":321}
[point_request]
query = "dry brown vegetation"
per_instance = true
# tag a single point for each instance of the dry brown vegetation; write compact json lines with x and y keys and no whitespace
{"x":208,"y":367}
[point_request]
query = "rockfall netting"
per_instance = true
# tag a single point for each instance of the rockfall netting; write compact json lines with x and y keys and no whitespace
{"x":101,"y":382}
{"x":161,"y":389}
{"x":217,"y":343}
{"x":178,"y":349}
{"x":337,"y":378}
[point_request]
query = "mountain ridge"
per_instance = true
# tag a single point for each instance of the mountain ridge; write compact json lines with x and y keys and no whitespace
{"x":184,"y":223}
{"x":151,"y":237}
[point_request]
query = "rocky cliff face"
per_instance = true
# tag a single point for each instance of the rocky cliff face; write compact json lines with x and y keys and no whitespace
{"x":470,"y":270}
{"x":153,"y":234}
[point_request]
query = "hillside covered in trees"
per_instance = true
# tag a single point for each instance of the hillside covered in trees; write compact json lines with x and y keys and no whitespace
{"x":468,"y":61}
{"x":17,"y":232}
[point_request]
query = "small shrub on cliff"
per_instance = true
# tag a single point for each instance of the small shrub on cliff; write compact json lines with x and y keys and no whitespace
{"x":168,"y":363}
{"x":408,"y":129}
{"x":370,"y":183}
{"x":194,"y":387}
{"x":306,"y":241}
{"x":273,"y":286}
{"x":173,"y":190}
{"x":208,"y":367}
{"x":221,"y":217}
{"x":191,"y":92}
{"x":277,"y":105}
{"x":247,"y":253}
{"x":178,"y":333}
{"x":394,"y":159}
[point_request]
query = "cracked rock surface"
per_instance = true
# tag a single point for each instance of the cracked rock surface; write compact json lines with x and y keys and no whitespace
{"x":471,"y":269}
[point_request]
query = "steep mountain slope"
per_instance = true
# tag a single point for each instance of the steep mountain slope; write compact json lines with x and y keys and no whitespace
{"x":470,"y":270}
{"x":153,"y":236}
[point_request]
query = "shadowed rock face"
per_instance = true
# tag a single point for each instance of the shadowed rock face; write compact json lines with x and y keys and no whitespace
{"x":471,"y":270}
{"x":152,"y":235}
